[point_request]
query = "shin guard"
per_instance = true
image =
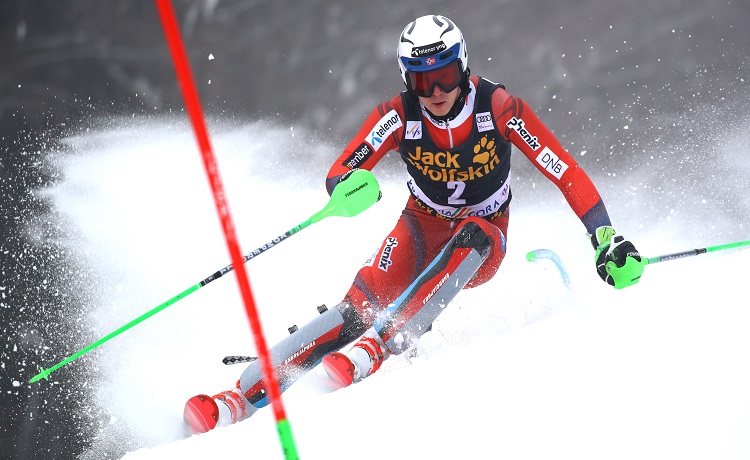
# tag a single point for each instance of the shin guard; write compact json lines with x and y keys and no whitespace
{"x":409,"y":316}
{"x":302,"y":350}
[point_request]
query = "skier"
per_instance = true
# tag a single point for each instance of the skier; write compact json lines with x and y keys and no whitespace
{"x":454,"y":132}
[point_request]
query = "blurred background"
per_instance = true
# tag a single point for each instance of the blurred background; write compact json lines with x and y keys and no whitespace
{"x":625,"y":85}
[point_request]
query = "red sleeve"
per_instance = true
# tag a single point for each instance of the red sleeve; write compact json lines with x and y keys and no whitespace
{"x":520,"y":125}
{"x":381,"y":132}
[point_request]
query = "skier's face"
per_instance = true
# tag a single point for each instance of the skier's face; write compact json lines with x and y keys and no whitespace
{"x":440,"y":103}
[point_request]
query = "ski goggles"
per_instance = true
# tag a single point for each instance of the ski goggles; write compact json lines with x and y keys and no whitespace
{"x":447,"y":77}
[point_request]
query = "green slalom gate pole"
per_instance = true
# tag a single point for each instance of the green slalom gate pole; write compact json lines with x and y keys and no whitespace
{"x":352,"y":196}
{"x":694,"y":252}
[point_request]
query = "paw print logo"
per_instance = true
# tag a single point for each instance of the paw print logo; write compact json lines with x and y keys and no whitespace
{"x":484,"y":150}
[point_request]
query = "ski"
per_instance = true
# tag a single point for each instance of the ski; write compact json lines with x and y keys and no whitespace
{"x":238,"y":359}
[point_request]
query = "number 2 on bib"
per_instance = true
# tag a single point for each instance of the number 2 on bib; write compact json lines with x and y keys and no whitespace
{"x":455,"y":198}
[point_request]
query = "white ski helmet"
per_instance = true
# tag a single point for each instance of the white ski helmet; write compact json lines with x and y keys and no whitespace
{"x":428,"y":43}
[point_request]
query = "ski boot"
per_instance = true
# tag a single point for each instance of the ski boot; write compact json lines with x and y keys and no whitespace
{"x":364,"y":358}
{"x":204,"y":413}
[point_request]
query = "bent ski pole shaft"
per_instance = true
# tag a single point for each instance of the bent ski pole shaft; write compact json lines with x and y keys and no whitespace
{"x":537,"y":254}
{"x":695,"y":252}
{"x":352,"y":196}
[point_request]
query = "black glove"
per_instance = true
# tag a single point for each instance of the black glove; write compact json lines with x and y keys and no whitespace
{"x":618,"y":262}
{"x":346,"y":175}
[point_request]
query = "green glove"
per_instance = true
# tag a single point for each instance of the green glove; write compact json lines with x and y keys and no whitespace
{"x":618,"y":262}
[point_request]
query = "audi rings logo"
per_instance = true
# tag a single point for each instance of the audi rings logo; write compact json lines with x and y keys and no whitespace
{"x":484,"y":121}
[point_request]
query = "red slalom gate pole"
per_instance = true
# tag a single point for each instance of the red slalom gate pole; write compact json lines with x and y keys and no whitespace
{"x":195,"y":112}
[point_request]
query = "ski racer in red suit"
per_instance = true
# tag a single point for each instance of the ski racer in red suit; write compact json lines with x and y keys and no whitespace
{"x":454,"y":132}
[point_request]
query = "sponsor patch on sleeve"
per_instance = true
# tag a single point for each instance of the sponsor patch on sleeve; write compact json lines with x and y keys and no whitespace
{"x":518,"y":125}
{"x":384,"y":128}
{"x":358,"y":157}
{"x":551,"y":162}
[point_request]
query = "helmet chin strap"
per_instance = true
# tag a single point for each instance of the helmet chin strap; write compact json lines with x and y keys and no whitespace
{"x":458,"y":105}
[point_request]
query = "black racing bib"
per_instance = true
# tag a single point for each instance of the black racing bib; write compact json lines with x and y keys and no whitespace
{"x":471,"y":179}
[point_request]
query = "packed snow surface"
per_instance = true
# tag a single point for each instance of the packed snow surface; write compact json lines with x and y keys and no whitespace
{"x":521,"y":367}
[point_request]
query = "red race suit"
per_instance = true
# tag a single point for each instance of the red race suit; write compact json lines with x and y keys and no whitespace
{"x":456,"y":169}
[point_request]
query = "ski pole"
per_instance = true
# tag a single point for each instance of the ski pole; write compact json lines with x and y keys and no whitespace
{"x":630,"y":272}
{"x":352,"y":196}
{"x":695,"y":252}
{"x":539,"y":254}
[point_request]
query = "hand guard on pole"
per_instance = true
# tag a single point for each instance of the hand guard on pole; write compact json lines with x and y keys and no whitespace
{"x":618,"y":262}
{"x":348,"y":174}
